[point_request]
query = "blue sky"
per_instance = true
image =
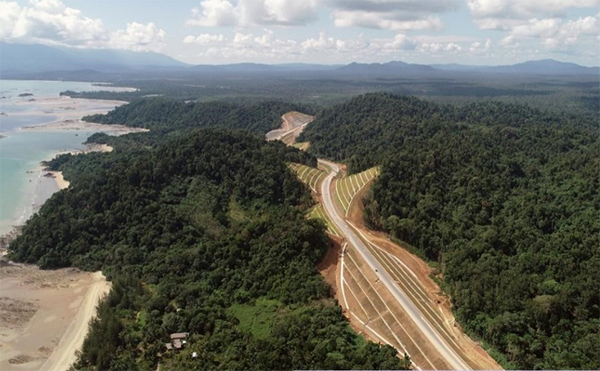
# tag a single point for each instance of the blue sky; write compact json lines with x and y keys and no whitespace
{"x":316,"y":31}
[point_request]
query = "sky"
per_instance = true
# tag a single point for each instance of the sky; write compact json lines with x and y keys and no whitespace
{"x":479,"y":32}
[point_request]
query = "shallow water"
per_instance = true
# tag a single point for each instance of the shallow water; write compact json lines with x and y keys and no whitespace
{"x":22,"y":187}
{"x":20,"y":155}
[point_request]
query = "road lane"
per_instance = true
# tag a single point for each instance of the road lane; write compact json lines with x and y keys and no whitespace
{"x":430,"y":333}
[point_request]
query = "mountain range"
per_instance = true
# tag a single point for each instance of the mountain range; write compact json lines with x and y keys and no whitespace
{"x":39,"y":58}
{"x":18,"y":59}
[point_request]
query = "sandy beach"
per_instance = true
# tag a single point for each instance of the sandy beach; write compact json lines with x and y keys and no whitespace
{"x":61,"y":183}
{"x":44,"y":315}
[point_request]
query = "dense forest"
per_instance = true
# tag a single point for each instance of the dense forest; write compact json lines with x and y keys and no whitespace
{"x":162,"y":115}
{"x":503,"y":199}
{"x":204,"y":233}
{"x":573,"y":94}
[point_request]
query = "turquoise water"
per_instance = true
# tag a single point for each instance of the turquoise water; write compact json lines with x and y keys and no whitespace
{"x":22,"y":187}
{"x":20,"y":172}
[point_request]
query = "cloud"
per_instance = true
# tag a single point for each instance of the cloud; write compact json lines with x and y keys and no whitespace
{"x":510,"y":42}
{"x":401,"y":42}
{"x":554,"y":32}
{"x":138,"y":37}
{"x":51,"y":22}
{"x":542,"y":20}
{"x":370,"y":20}
{"x":9,"y":14}
{"x":321,"y":43}
{"x":480,"y":47}
{"x":519,"y":9}
{"x":214,"y":13}
{"x":265,"y":46}
{"x":435,"y":48}
{"x":396,"y":15}
{"x":204,"y":39}
{"x":221,"y":13}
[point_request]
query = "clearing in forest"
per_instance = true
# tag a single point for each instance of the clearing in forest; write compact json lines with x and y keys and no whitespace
{"x":292,"y":124}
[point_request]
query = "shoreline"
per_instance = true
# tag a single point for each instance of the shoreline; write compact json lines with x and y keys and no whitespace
{"x":48,"y":182}
{"x":65,"y":115}
{"x":46,"y":314}
{"x":80,"y":125}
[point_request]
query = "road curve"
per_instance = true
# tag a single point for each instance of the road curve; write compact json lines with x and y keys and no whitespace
{"x":434,"y":338}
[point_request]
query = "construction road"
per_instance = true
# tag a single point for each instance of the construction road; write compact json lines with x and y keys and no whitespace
{"x":437,"y":341}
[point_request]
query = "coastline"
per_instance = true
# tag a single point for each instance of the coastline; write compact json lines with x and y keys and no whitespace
{"x":45,"y":183}
{"x":80,"y":125}
{"x":45,"y":314}
{"x":58,"y":177}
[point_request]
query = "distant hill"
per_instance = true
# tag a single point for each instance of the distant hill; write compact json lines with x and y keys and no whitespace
{"x":237,"y":67}
{"x":42,"y":58}
{"x":546,"y":67}
{"x":46,"y":61}
{"x":393,"y":67}
{"x":539,"y":67}
{"x":308,"y":66}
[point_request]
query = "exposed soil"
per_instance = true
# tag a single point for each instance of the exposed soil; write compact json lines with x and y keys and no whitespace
{"x":292,"y":124}
{"x":328,"y":267}
{"x":476,"y":355}
{"x":39,"y":311}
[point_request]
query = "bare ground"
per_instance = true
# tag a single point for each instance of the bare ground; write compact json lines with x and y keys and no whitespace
{"x":44,"y":314}
{"x":292,"y":124}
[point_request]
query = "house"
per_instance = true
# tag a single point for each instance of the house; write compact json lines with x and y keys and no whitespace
{"x":178,"y":341}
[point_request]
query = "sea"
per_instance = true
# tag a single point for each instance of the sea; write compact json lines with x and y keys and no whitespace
{"x":23,"y":188}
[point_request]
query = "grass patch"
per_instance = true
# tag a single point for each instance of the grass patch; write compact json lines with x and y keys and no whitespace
{"x":142,"y":318}
{"x":301,"y":146}
{"x":258,"y":318}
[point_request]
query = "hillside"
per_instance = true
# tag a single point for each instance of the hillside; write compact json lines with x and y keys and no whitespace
{"x":497,"y":197}
{"x":362,"y":131}
{"x":202,"y":234}
{"x":169,"y":115}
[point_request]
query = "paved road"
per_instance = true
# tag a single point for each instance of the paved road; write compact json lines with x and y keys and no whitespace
{"x":434,"y":338}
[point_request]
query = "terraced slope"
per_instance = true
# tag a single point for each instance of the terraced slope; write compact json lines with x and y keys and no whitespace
{"x":318,"y":212}
{"x":309,"y":175}
{"x":347,"y":187}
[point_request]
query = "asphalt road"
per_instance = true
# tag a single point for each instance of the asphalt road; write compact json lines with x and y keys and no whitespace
{"x":434,"y":338}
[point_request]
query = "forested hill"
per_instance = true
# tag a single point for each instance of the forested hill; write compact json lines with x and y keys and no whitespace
{"x":503,"y":199}
{"x":203,"y":234}
{"x":161,"y":114}
{"x":362,"y":131}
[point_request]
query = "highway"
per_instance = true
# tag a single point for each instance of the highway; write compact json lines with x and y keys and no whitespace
{"x":455,"y":361}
